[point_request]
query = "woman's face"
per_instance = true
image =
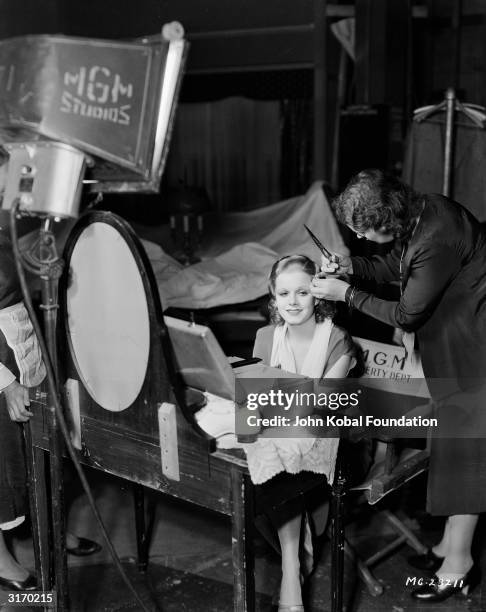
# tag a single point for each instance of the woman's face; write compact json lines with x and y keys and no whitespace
{"x":381,"y":236}
{"x":294,"y":300}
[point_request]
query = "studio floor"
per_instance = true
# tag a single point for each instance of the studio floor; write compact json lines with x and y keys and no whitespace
{"x":190,"y":560}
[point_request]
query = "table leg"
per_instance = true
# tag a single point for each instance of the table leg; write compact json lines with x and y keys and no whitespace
{"x":39,"y":512}
{"x":337,"y":568}
{"x":241,"y":535}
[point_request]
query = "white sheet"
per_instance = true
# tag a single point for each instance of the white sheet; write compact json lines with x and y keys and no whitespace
{"x":278,"y":226}
{"x":240,"y":249}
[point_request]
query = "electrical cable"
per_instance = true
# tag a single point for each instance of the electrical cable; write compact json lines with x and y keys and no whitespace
{"x":54,"y":396}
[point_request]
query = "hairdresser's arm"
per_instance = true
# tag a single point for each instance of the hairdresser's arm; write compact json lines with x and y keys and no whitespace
{"x":382,"y":269}
{"x":431,"y":270}
{"x":378,"y":268}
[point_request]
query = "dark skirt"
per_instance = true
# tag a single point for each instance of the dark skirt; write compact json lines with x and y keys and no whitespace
{"x":12,"y":467}
{"x":457,"y":469}
{"x":457,"y":477}
{"x":286,"y":496}
{"x":13,"y":479}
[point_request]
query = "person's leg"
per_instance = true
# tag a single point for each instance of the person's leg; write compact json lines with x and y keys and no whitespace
{"x":289,"y":538}
{"x":13,"y":479}
{"x":457,"y":572}
{"x":75,"y":544}
{"x":458,"y":559}
{"x":315,"y":523}
{"x":441,"y":548}
{"x":320,"y":516}
{"x":9,"y":568}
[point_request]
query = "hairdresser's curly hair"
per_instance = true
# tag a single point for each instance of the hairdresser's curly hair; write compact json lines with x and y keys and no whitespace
{"x":323,"y":309}
{"x":374,"y":199}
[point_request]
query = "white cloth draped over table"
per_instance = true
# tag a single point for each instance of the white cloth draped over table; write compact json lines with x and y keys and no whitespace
{"x":269,"y":456}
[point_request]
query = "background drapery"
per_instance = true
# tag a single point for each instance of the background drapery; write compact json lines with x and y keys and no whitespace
{"x":232,"y":148}
{"x":424,"y":162}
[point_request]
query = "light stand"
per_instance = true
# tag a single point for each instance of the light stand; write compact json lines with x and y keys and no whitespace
{"x":43,"y":261}
{"x":50,"y":271}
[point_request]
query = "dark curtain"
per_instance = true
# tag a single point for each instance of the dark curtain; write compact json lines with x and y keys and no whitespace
{"x":229,"y":147}
{"x":296,"y":138}
{"x":424,"y":162}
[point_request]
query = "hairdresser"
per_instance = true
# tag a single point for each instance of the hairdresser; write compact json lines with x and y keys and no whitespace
{"x":439,"y":259}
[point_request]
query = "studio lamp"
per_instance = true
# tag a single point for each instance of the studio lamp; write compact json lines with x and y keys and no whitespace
{"x":44,"y":179}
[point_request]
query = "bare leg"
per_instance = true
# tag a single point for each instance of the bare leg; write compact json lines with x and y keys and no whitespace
{"x":319,"y":518}
{"x":458,"y":559}
{"x":9,"y":568}
{"x":442,"y":547}
{"x":311,"y":546}
{"x":289,"y":537}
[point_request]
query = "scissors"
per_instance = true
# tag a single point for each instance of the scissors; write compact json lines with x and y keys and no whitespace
{"x":319,"y":245}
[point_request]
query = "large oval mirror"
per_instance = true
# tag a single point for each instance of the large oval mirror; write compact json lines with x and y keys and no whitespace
{"x":107,"y":317}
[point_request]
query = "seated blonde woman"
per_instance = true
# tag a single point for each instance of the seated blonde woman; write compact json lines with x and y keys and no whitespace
{"x":287,"y":471}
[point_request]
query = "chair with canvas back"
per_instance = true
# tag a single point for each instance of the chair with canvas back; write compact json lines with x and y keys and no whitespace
{"x":392,"y":387}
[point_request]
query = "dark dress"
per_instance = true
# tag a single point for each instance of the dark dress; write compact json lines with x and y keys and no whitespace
{"x":443,"y":282}
{"x":12,"y":462}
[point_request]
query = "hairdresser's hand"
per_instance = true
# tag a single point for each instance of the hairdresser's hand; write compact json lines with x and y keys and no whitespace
{"x":338,"y":265}
{"x":17,"y":398}
{"x":332,"y":289}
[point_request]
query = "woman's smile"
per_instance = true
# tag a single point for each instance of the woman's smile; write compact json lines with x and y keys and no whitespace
{"x":294,"y":300}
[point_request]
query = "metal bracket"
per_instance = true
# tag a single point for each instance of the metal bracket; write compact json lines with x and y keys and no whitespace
{"x":169,"y":448}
